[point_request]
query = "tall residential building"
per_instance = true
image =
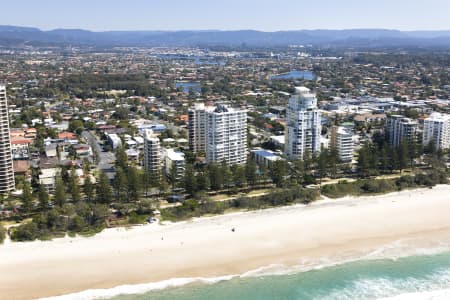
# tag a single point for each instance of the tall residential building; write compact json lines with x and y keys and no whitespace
{"x":6,"y":164}
{"x":226,"y":135}
{"x":342,"y":140}
{"x":436,"y":128}
{"x":303,"y":124}
{"x":152,"y":153}
{"x":174,"y":164}
{"x":399,"y":128}
{"x":197,"y":127}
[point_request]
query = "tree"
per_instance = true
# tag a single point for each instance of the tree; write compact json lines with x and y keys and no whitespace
{"x":250,"y":172}
{"x":88,"y":188}
{"x":278,"y":172}
{"x":226,"y":174}
{"x":215,"y":176}
{"x":403,"y":153}
{"x":120,"y":184}
{"x":239,"y":177}
{"x":364,"y":160}
{"x":322,"y":163}
{"x":297,"y":171}
{"x":103,"y":191}
{"x":121,"y":158}
{"x":173,"y":173}
{"x":74,"y":186}
{"x":76,"y":126}
{"x":333,"y":161}
{"x":189,"y":180}
{"x":203,"y":183}
{"x":43,"y":197}
{"x":134,"y":184}
{"x":27,"y":197}
{"x":60,"y":193}
{"x":146,"y":181}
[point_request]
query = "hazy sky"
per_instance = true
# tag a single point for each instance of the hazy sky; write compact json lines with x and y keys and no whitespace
{"x":227,"y":14}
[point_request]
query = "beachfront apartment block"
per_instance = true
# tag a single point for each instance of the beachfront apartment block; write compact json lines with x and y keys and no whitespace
{"x":174,"y":164}
{"x":303,"y":124}
{"x":436,"y":129}
{"x":342,"y":141}
{"x":265,"y":157}
{"x":226,"y":135}
{"x":398,"y":128}
{"x":6,"y":163}
{"x":152,"y":153}
{"x":197,"y":127}
{"x":220,"y":132}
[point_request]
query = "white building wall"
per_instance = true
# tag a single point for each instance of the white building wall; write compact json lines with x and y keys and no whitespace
{"x":303,"y":124}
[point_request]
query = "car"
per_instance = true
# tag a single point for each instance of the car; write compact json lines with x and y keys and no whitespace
{"x":152,"y":220}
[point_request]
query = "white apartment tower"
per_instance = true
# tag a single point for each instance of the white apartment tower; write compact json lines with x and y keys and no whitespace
{"x":6,"y":165}
{"x":174,"y":161}
{"x":226,"y":135}
{"x":152,"y":153}
{"x":303,"y":124}
{"x":220,"y":132}
{"x":342,"y":140}
{"x":399,"y":128}
{"x":197,"y":127}
{"x":436,"y":128}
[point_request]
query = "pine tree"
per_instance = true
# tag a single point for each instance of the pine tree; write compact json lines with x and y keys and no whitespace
{"x":189,"y":180}
{"x":88,"y":188}
{"x":103,"y":190}
{"x":60,"y":193}
{"x":74,"y":186}
{"x":27,"y":197}
{"x":43,"y":197}
{"x":250,"y":172}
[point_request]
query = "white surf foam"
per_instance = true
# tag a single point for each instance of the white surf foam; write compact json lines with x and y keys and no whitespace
{"x":428,"y":295}
{"x":133,"y":289}
{"x":392,"y":251}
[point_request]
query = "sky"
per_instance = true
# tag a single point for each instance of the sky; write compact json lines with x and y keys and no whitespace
{"x":266,"y":15}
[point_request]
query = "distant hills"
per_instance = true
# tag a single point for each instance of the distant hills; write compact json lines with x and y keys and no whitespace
{"x":16,"y":36}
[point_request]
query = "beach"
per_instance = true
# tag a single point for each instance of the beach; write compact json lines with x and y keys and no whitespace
{"x":322,"y":232}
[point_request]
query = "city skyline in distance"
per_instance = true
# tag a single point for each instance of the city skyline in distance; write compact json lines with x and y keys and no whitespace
{"x":262,"y":15}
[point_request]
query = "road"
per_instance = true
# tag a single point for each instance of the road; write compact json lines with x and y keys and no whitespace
{"x":105,"y":160}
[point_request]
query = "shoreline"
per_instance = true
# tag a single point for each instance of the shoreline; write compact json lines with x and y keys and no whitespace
{"x":303,"y":236}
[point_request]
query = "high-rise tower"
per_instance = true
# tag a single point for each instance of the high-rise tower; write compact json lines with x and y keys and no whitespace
{"x":303,"y":124}
{"x":6,"y":165}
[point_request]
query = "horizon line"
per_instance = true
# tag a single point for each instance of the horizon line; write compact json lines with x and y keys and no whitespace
{"x":223,"y":30}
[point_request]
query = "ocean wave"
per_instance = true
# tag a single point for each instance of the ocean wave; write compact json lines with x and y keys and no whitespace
{"x":132,"y":289}
{"x":427,"y":295}
{"x":433,"y":286}
{"x":378,"y":288}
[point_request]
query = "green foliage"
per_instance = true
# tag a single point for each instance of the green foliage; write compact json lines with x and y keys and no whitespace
{"x":2,"y":234}
{"x":27,"y":197}
{"x":43,"y":197}
{"x":104,"y":194}
{"x":194,"y":208}
{"x":81,"y":218}
{"x":92,"y":85}
{"x":88,"y":188}
{"x":60,"y":196}
{"x":380,"y":186}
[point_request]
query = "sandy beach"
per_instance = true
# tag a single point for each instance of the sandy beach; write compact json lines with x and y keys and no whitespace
{"x":328,"y":230}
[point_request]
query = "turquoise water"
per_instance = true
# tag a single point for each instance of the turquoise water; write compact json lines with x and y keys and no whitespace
{"x":370,"y":279}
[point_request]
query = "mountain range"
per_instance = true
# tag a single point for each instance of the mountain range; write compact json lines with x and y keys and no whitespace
{"x":16,"y":36}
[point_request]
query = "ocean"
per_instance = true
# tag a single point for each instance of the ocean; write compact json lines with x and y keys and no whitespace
{"x":406,"y":278}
